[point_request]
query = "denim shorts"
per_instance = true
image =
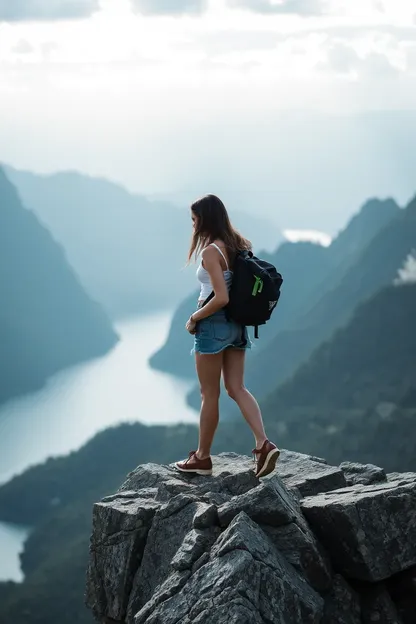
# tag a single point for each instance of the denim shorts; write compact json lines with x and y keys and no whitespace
{"x":215,"y":333}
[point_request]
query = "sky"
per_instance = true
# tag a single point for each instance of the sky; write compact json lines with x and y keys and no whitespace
{"x":298,"y":110}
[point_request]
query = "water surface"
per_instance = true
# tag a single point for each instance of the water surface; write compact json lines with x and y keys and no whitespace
{"x":78,"y":402}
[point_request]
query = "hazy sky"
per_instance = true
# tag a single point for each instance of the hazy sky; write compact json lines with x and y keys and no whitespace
{"x":297,"y":109}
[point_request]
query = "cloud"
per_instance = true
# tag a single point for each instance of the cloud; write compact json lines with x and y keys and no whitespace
{"x":46,"y":10}
{"x":223,"y":41}
{"x":23,"y":47}
{"x":169,"y":7}
{"x":407,"y":274}
{"x":343,"y":59}
{"x":311,"y":236}
{"x":377,"y":64}
{"x":411,"y":58}
{"x":47,"y":49}
{"x":355,"y":31}
{"x":290,"y":7}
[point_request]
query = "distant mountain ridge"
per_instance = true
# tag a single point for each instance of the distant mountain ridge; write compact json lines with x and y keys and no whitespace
{"x":309,"y":270}
{"x":369,"y":361}
{"x":129,"y":252}
{"x":47,"y":321}
{"x":375,"y":266}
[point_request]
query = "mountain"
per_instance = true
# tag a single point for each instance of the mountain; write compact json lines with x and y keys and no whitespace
{"x":312,"y":270}
{"x":128,"y":251}
{"x":309,"y":271}
{"x":351,"y":279}
{"x":370,"y":361}
{"x":376,"y":266}
{"x":47,"y":321}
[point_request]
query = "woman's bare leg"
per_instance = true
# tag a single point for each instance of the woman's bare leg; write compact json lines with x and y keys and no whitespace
{"x":233,"y":373}
{"x":209,"y":374}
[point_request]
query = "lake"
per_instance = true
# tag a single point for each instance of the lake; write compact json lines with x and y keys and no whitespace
{"x":80,"y":401}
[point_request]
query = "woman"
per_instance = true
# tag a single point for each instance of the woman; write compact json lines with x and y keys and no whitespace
{"x":220,"y":345}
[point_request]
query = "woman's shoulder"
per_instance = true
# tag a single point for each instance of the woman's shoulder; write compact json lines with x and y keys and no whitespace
{"x":213,"y":244}
{"x":212,"y":248}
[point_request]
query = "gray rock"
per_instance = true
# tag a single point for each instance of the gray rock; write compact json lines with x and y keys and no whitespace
{"x":377,"y":606}
{"x":268,"y":503}
{"x":216,"y":498}
{"x":402,"y":589}
{"x":211,"y":589}
{"x":232,"y":475}
{"x":148,"y":476}
{"x":169,"y":548}
{"x":169,"y":528}
{"x":126,"y":496}
{"x":362,"y":473}
{"x":169,"y":588}
{"x":342,"y":604}
{"x":300,"y":548}
{"x":310,"y":475}
{"x":177,"y":503}
{"x":194,"y":545}
{"x":244,"y":581}
{"x":401,"y":477}
{"x":237,"y":611}
{"x":370,"y":531}
{"x":117,"y":545}
{"x":168,"y":489}
{"x":204,"y":559}
{"x":206,"y":516}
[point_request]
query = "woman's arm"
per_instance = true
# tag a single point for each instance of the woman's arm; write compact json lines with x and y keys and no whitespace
{"x":212,"y":263}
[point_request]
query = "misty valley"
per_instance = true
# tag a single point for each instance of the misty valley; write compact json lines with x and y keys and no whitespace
{"x":97,"y":375}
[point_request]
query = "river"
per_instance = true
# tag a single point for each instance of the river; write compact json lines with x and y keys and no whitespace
{"x":80,"y":401}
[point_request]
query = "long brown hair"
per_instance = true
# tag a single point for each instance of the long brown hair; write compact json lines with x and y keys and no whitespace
{"x":212,"y":223}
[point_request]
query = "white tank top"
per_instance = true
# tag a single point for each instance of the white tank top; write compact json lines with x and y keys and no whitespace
{"x":205,"y":280}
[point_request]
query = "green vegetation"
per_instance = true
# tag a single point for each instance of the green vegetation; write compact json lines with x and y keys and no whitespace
{"x":374,"y":267}
{"x":47,"y":321}
{"x":371,"y":360}
{"x":334,"y":407}
{"x":56,"y":554}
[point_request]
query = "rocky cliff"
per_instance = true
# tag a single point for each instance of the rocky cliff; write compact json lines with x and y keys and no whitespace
{"x":314,"y":543}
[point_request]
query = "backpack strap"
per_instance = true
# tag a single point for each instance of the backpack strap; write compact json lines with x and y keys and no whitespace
{"x":243,"y":336}
{"x":212,"y":295}
{"x":256,"y":332}
{"x":221,"y":252}
{"x":208,"y":299}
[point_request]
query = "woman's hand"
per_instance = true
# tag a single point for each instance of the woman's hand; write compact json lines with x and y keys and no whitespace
{"x":191,"y":326}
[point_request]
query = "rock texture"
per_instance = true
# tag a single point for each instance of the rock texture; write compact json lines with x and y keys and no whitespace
{"x":313,"y":543}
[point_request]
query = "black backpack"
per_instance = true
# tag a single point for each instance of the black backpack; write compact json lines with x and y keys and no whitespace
{"x":254,"y":292}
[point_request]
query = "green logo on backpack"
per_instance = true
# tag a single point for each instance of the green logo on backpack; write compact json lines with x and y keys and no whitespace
{"x":258,"y":286}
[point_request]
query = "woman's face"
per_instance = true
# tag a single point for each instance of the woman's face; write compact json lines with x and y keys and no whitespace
{"x":194,"y":219}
